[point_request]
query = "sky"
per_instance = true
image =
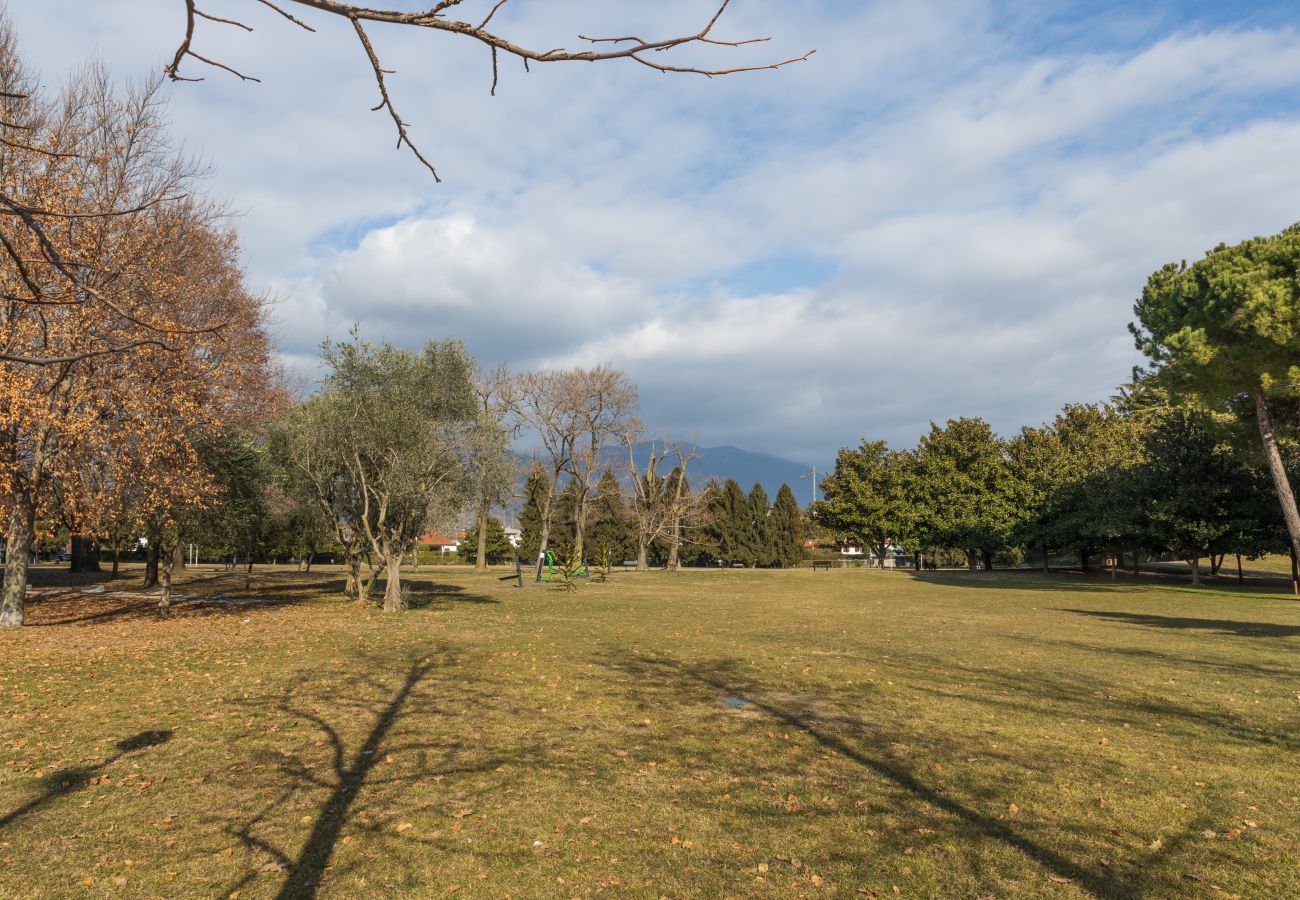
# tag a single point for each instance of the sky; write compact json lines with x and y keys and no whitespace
{"x":948,"y":211}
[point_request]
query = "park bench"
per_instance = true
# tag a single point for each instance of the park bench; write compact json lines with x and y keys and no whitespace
{"x":822,"y":564}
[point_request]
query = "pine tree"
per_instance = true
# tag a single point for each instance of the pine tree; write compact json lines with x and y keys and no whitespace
{"x":499,"y":548}
{"x":761,"y":549}
{"x":786,"y":529}
{"x":609,"y":525}
{"x":530,"y":517}
{"x":731,"y":524}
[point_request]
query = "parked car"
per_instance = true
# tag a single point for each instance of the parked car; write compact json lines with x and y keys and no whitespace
{"x":65,"y":556}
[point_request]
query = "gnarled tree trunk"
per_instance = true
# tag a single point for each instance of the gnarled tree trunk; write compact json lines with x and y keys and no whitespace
{"x":355,"y":587}
{"x":970,"y":560}
{"x":988,"y":561}
{"x":393,"y":599}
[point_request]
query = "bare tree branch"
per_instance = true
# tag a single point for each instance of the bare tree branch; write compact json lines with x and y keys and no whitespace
{"x":636,"y":49}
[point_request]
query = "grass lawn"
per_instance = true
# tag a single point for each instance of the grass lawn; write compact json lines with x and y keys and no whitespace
{"x":703,"y":734}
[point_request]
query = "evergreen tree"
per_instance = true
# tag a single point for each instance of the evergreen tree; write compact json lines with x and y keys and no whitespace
{"x":499,"y":548}
{"x":610,"y":525}
{"x":869,"y":498}
{"x":1197,"y":493}
{"x":731,"y":523}
{"x":965,"y":494}
{"x":530,"y":517}
{"x":786,"y":529}
{"x":762,"y":551}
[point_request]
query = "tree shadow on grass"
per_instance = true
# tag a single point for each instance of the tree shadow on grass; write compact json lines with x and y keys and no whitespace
{"x":1218,"y":626}
{"x":868,"y":747}
{"x":1072,"y":581}
{"x":351,"y":771}
{"x":67,"y":781}
{"x":1233,"y":666}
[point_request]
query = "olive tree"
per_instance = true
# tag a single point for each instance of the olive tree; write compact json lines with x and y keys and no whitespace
{"x":405,"y":421}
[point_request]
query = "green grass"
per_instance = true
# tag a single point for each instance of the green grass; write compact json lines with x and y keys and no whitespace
{"x":956,"y":735}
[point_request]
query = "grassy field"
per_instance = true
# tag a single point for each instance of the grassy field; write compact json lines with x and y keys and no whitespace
{"x":734,"y":733}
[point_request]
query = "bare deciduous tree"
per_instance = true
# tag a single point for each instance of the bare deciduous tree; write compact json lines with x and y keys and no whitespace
{"x":489,"y":464}
{"x":601,"y":402}
{"x":661,"y":505}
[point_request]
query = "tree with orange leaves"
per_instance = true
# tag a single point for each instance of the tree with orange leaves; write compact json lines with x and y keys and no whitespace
{"x":125,"y":327}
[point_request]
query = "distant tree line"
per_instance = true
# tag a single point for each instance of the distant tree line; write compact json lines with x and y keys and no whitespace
{"x":719,"y":525}
{"x":1172,"y":466}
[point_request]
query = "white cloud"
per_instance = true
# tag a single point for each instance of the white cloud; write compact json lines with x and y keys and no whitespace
{"x":983,"y":209}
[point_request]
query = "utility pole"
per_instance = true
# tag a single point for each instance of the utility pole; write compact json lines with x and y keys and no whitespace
{"x":812,"y":473}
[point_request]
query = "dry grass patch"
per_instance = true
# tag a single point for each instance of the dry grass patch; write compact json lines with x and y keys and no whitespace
{"x":730,"y":733}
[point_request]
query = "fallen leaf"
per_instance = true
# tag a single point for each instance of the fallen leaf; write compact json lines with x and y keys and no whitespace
{"x":762,"y":868}
{"x":405,"y":826}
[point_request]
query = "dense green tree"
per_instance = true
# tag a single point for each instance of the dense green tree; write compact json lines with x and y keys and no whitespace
{"x":407,"y":421}
{"x":870,"y":498}
{"x":1194,"y":487}
{"x":1227,"y":327}
{"x":786,"y":528}
{"x":308,"y":447}
{"x":239,"y":524}
{"x":730,"y":524}
{"x":965,"y":496}
{"x":530,"y":517}
{"x":762,"y":550}
{"x":609,"y":524}
{"x":498,"y":546}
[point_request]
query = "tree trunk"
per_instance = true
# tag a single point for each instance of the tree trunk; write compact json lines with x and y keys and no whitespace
{"x":248,"y":574}
{"x":1277,"y":469}
{"x":480,"y":561}
{"x":1083,"y":560}
{"x":1240,"y":577}
{"x":355,"y":587}
{"x":85,"y":554}
{"x":311,"y":556}
{"x":167,"y":560}
{"x":1195,"y":562}
{"x":18,"y":550}
{"x":988,"y":561}
{"x":393,"y":599}
{"x":151,"y":565}
{"x":916,"y":561}
{"x":1114,"y":566}
{"x":970,"y":559}
{"x":178,"y":557}
{"x":642,"y":554}
{"x":674,"y":546}
{"x":1216,"y":563}
{"x":117,"y":558}
{"x":541,"y":550}
{"x":1137,"y":562}
{"x":580,"y":527}
{"x":1295,"y":574}
{"x":1047,"y":561}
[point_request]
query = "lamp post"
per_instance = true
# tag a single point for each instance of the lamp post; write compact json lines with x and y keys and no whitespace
{"x":812,"y":473}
